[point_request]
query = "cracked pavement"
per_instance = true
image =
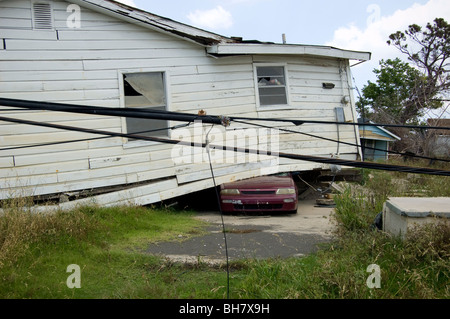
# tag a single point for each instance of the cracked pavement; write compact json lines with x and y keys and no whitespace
{"x":253,"y":236}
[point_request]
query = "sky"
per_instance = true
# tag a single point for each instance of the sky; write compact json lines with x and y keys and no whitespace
{"x":362,"y":25}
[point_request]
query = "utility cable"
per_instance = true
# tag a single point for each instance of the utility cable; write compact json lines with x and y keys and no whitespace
{"x":110,"y":111}
{"x":308,"y":158}
{"x":342,"y":142}
{"x":225,"y":121}
{"x":220,"y":210}
{"x":174,"y":116}
{"x":89,"y":139}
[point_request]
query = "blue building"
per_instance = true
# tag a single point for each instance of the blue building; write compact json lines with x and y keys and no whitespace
{"x":375,"y":141}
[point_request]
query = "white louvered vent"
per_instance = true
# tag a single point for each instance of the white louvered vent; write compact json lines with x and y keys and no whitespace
{"x":42,"y":16}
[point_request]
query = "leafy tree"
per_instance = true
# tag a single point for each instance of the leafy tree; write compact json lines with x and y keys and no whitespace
{"x":429,"y":51}
{"x":384,"y":101}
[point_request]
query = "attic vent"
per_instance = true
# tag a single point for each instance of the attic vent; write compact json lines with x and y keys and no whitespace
{"x":42,"y":16}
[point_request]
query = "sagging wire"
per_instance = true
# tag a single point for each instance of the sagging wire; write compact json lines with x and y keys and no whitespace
{"x":90,"y":139}
{"x":342,"y":142}
{"x":208,"y":151}
{"x":308,"y":158}
{"x":174,"y":116}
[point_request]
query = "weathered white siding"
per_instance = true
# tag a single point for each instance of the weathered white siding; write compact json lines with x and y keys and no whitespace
{"x":81,"y":66}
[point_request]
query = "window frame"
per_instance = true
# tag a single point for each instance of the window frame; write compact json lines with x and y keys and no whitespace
{"x":286,"y":85}
{"x":127,"y":143}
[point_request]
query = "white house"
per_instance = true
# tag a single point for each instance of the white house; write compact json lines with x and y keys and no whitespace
{"x":103,"y":53}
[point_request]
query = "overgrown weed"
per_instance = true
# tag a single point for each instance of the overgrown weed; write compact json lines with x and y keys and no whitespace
{"x":21,"y":228}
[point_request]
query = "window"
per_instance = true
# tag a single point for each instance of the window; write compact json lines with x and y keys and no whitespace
{"x":272,"y":86}
{"x":42,"y":16}
{"x":368,"y":149}
{"x":145,"y":91}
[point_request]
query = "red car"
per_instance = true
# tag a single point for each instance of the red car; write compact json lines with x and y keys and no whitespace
{"x":276,"y":193}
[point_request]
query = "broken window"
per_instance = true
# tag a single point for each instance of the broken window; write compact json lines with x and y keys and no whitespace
{"x":272,"y":85}
{"x":146,"y":91}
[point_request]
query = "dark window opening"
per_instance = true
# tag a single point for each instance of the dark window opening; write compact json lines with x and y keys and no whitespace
{"x":146,"y":91}
{"x":272,"y":85}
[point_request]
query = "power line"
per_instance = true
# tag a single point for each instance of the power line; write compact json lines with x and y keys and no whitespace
{"x":342,"y":142}
{"x":88,"y":139}
{"x":221,"y":213}
{"x":109,"y":111}
{"x":177,"y":116}
{"x":237,"y":121}
{"x":308,"y":158}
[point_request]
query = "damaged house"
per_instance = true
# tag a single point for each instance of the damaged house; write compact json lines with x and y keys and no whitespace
{"x":103,"y":53}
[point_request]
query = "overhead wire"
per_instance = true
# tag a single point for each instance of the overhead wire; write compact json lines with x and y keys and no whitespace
{"x":247,"y":123}
{"x":342,"y":142}
{"x":308,"y":158}
{"x":237,"y":121}
{"x":176,"y":116}
{"x":89,"y":139}
{"x":220,"y":210}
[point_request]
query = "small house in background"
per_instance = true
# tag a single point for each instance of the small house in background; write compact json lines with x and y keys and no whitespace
{"x":375,"y":141}
{"x":441,"y":138}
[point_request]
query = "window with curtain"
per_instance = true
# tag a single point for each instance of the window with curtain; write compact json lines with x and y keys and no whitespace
{"x":146,"y":91}
{"x":272,"y":88}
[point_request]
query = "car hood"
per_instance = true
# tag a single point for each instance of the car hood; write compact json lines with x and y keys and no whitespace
{"x":262,"y":182}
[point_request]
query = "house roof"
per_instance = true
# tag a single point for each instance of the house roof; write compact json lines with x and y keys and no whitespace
{"x":152,"y":21}
{"x":216,"y":44}
{"x":375,"y":132}
{"x":440,"y":123}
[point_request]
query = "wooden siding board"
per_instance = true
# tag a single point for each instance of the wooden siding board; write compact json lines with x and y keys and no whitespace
{"x":27,"y":35}
{"x":15,"y":13}
{"x":42,"y":66}
{"x":136,"y":196}
{"x":43,"y":169}
{"x":21,"y":4}
{"x":7,"y":23}
{"x":60,"y":96}
{"x":37,"y":86}
{"x":6,"y":161}
{"x":116,"y":54}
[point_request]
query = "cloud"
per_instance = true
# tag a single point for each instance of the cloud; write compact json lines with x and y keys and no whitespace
{"x":215,"y":19}
{"x":374,"y":35}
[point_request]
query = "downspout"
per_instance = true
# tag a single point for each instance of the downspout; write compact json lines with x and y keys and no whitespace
{"x":353,"y":106}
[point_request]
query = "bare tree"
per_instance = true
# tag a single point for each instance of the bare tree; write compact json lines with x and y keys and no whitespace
{"x":408,"y":93}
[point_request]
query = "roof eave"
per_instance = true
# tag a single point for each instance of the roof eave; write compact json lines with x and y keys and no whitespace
{"x":286,"y":49}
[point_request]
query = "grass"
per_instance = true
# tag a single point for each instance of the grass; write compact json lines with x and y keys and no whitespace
{"x":109,"y":243}
{"x":106,"y":243}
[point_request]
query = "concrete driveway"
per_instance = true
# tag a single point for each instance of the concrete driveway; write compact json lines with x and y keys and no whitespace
{"x":254,"y":236}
